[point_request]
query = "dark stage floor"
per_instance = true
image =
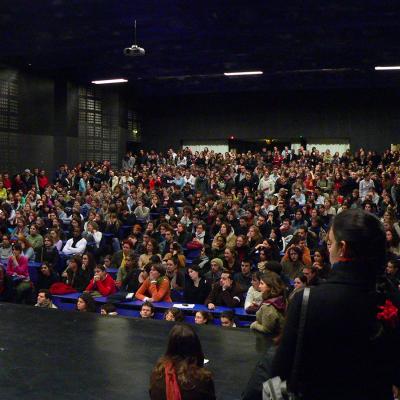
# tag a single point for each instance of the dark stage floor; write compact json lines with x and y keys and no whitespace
{"x":52,"y":354}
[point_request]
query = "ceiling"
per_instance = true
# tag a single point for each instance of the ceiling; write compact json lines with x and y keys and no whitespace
{"x":190,"y":43}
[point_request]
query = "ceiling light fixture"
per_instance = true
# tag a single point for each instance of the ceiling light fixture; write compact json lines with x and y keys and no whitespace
{"x":388,"y":68}
{"x":243,"y":73}
{"x":106,"y":81}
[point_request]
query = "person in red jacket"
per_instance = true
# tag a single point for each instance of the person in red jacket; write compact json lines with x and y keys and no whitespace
{"x":101,"y":282}
{"x":43,"y":181}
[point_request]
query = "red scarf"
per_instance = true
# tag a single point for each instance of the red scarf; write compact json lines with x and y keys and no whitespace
{"x":171,"y":383}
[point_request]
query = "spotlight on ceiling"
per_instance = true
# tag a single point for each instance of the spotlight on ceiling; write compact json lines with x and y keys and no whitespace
{"x":107,"y":81}
{"x":243,"y":73}
{"x":388,"y":68}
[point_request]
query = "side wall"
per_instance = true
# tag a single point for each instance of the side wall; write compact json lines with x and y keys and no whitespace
{"x":45,"y":122}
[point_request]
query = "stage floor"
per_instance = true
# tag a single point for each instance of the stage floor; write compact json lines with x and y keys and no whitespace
{"x":58,"y":355}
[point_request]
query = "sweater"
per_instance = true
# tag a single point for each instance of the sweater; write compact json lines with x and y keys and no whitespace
{"x":157,"y":291}
{"x":270,"y":317}
{"x":253,"y":296}
{"x":196,"y":295}
{"x":19,"y":268}
{"x":105,"y":286}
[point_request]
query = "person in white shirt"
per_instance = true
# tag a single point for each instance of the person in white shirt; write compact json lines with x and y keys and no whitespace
{"x":93,"y":230}
{"x":274,"y":176}
{"x":266,"y":185}
{"x":189,"y":178}
{"x":75,"y":245}
{"x":254,"y":296}
{"x":365,"y":185}
{"x":299,"y":197}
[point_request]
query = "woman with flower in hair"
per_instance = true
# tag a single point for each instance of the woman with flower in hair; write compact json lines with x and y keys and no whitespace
{"x":351,"y":341}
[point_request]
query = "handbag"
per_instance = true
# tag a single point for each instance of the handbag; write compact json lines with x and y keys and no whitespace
{"x":276,"y":389}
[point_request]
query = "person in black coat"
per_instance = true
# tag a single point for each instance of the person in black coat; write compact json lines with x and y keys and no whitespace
{"x":196,"y":288}
{"x":48,"y":252}
{"x":347,"y":352}
{"x":75,"y":276}
{"x":46,"y":276}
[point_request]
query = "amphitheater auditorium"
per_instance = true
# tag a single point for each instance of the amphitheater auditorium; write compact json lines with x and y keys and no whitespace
{"x":199,"y":200}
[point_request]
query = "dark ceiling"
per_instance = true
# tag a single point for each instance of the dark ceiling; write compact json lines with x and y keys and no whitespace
{"x":190,"y":43}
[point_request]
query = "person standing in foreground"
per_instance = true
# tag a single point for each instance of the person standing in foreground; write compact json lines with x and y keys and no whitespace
{"x":348,"y":353}
{"x":180,"y":374}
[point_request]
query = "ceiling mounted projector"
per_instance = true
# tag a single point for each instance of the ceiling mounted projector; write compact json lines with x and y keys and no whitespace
{"x":134,"y":50}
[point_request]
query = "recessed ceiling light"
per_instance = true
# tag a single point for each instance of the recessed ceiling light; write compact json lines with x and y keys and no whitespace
{"x":242,"y":73}
{"x":106,"y":81}
{"x":388,"y":68}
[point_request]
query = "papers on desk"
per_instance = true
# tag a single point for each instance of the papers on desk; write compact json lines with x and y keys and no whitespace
{"x":180,"y":305}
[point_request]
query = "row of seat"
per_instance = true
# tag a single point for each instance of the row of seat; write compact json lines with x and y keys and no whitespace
{"x":131,"y":308}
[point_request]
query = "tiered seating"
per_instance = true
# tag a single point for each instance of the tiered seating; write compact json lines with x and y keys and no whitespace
{"x":131,"y":308}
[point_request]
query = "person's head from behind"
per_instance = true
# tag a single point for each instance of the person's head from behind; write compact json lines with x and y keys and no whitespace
{"x":358,"y":237}
{"x":147,"y":310}
{"x":85,"y":303}
{"x":174,"y":314}
{"x":184,"y":345}
{"x":274,"y":266}
{"x":271,"y":285}
{"x":202,"y":318}
{"x":227,"y":319}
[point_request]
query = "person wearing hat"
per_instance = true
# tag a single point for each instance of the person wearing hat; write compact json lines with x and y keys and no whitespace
{"x":197,"y":288}
{"x":156,"y":287}
{"x":214,"y":274}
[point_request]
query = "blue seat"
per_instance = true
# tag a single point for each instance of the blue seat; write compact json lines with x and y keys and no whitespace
{"x":126,"y":312}
{"x":192,"y":253}
{"x":158,"y":315}
{"x":64,"y":306}
{"x":189,"y":319}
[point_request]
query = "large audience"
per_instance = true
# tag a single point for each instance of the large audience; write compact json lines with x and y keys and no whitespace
{"x":236,"y":230}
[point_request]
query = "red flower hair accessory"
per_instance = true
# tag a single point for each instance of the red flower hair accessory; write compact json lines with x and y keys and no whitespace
{"x":389,"y":314}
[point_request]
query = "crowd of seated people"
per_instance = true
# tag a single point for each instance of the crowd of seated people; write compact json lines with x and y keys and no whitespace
{"x":235,"y":230}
